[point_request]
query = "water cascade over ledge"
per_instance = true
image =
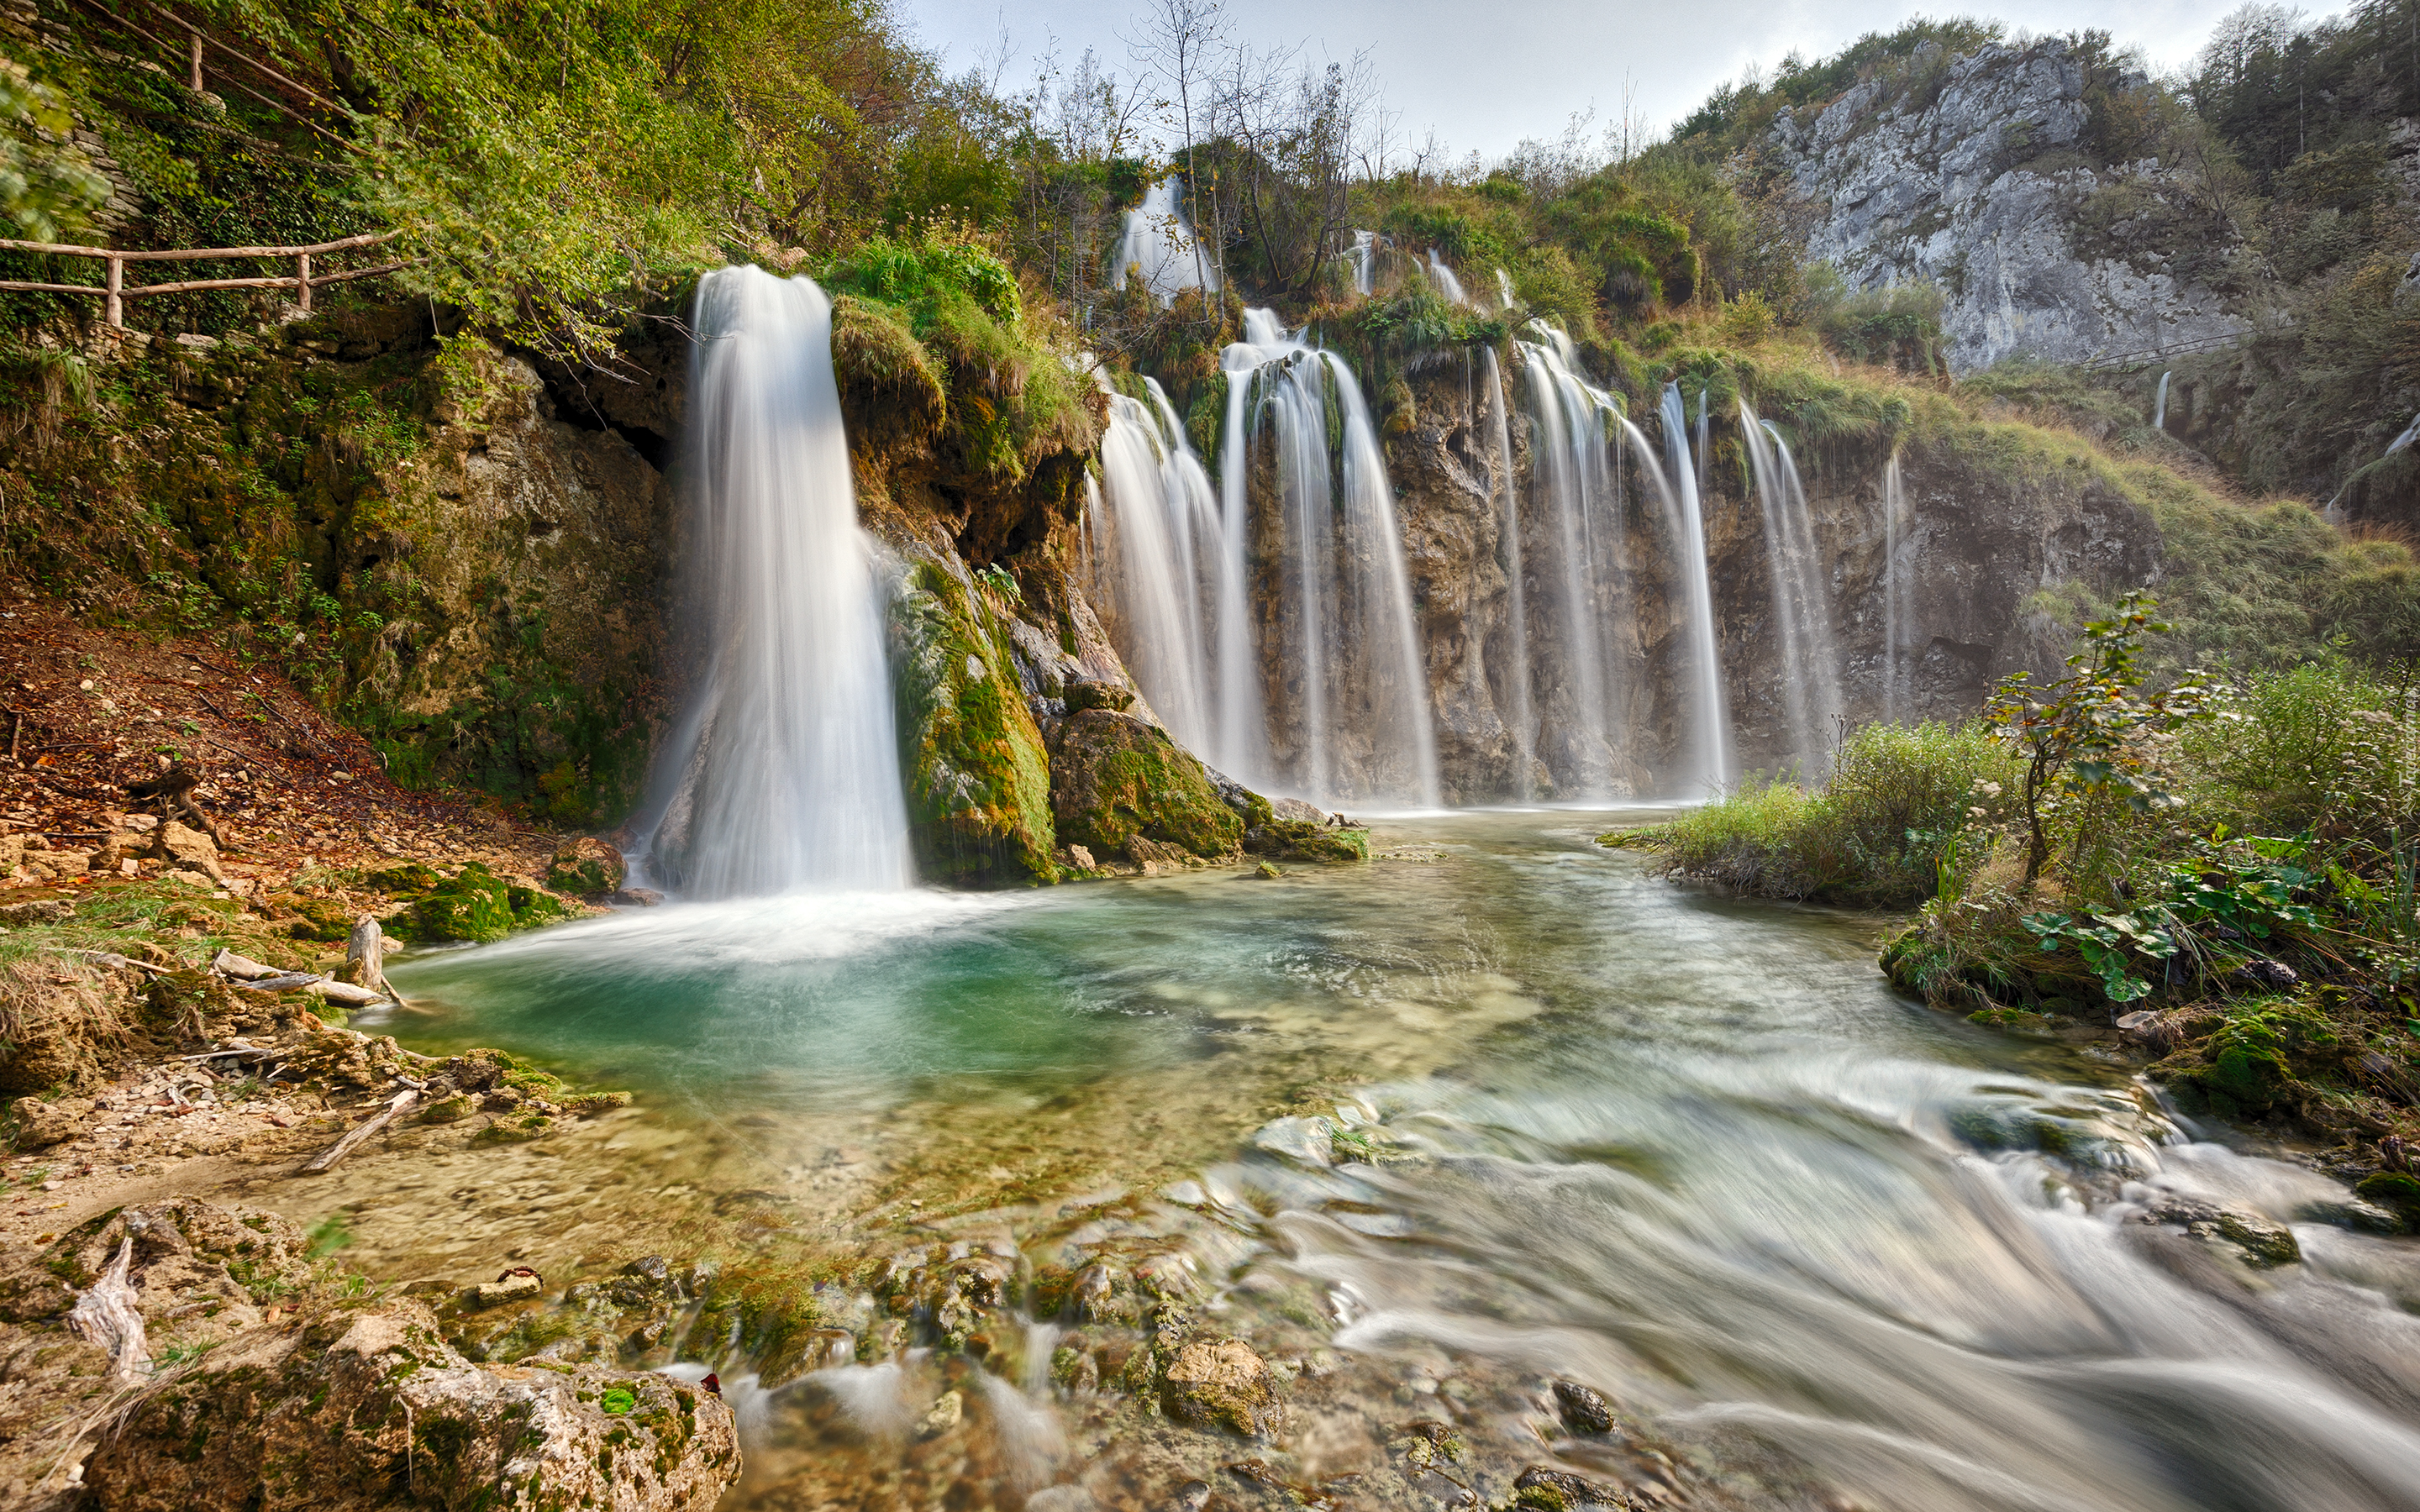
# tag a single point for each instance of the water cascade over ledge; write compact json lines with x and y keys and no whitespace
{"x":785,"y":773}
{"x":1350,"y":717}
{"x":1170,"y":590}
{"x":1159,"y":241}
{"x":1810,"y":681}
{"x":1711,"y":744}
{"x":1576,"y":477}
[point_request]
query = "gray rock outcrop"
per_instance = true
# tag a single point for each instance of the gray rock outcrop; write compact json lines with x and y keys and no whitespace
{"x":1978,"y":190}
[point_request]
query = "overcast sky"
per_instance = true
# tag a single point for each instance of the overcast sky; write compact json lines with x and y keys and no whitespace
{"x":1485,"y":76}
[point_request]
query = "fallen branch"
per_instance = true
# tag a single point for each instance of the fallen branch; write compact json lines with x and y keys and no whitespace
{"x":106,"y":1315}
{"x":403,"y":1102}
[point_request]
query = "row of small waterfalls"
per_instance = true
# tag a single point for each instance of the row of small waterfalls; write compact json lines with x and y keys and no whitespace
{"x":1267,"y":616}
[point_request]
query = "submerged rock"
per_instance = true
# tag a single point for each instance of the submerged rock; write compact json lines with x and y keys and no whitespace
{"x":1582,"y":1410}
{"x":367,"y":1407}
{"x":1220,"y":1382}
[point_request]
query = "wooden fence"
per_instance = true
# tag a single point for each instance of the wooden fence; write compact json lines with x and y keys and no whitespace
{"x":115,"y":291}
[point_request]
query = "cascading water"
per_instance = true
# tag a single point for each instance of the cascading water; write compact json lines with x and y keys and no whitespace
{"x":1364,"y":257}
{"x":1504,"y":289}
{"x":1161,"y":576}
{"x":786,"y":774}
{"x":2160,"y":406}
{"x":1710,"y":746}
{"x":1158,"y":240}
{"x":1810,"y":670}
{"x":1443,"y":278}
{"x":1523,"y":720}
{"x":1353,"y":721}
{"x":1895,"y":588}
{"x":1574,"y":468}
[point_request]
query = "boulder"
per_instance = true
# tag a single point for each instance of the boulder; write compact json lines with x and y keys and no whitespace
{"x":365,"y":1405}
{"x":1095,"y":693}
{"x":978,"y":801}
{"x":1220,"y":1382}
{"x":1293,"y":840}
{"x":187,"y":850}
{"x":586,"y":867}
{"x":40,"y":1125}
{"x":38,"y":911}
{"x":1115,"y":777}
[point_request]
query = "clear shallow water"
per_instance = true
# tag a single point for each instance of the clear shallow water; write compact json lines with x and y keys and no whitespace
{"x":1691,"y":1152}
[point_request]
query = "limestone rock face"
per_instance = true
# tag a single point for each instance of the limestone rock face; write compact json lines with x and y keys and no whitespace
{"x":359,"y":1408}
{"x":1118,"y":782}
{"x":1981,"y":188}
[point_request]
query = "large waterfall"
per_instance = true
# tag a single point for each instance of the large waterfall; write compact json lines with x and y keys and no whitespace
{"x":785,"y":772}
{"x":1710,"y":749}
{"x":1576,"y":471}
{"x":1159,"y":241}
{"x":1895,"y":591}
{"x":1518,"y":712}
{"x":1802,"y":605}
{"x":1350,"y":717}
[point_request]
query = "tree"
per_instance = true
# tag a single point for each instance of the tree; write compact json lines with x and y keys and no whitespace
{"x":2089,"y":731}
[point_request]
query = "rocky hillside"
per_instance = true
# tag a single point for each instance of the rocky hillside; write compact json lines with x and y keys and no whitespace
{"x":1986,"y":175}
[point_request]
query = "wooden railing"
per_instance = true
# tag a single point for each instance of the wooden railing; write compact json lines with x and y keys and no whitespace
{"x":115,"y":291}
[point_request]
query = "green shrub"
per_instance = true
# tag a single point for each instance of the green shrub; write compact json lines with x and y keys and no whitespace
{"x":1900,"y":817}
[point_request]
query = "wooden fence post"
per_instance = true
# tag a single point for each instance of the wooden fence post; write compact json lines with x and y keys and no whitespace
{"x":302,"y":277}
{"x":115,"y":309}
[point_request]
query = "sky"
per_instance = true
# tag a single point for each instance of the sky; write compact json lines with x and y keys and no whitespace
{"x":1483,"y":77}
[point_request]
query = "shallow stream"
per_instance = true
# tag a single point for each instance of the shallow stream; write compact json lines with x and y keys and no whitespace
{"x":1830,"y":1247}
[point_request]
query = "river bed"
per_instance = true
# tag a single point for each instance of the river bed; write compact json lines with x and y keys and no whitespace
{"x":1496,"y":1110}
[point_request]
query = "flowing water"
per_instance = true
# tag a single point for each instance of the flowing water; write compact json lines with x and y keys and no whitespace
{"x":1518,"y":711}
{"x":1897,"y":590}
{"x":1829,"y":1247}
{"x":1802,"y":603}
{"x":786,"y":773}
{"x":1158,"y":241}
{"x":1443,"y":277}
{"x":1709,"y":749}
{"x":1349,"y":718}
{"x":2160,"y":406}
{"x":1574,"y":471}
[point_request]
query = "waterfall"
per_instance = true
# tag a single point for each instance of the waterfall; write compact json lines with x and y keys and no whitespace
{"x":1159,"y":240}
{"x":1705,"y":452}
{"x":785,"y":772}
{"x":1167,"y":581}
{"x":1504,"y":288}
{"x":1810,"y":671}
{"x":1354,"y":719}
{"x":2160,"y":406}
{"x":1364,"y":257}
{"x":1443,"y":278}
{"x":1710,"y":733}
{"x":1895,"y":588}
{"x":1525,"y":730}
{"x":1573,"y":467}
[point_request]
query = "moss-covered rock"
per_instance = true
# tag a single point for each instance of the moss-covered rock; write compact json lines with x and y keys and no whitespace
{"x":890,"y":388}
{"x":1115,"y":777}
{"x":476,"y":904}
{"x":1299,"y":840}
{"x":586,"y":867}
{"x":978,"y":777}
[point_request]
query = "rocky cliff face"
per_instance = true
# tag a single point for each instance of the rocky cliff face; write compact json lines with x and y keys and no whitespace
{"x":1979,"y":175}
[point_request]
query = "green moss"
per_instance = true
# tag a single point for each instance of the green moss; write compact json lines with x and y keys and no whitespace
{"x":978,"y":778}
{"x":476,"y":904}
{"x":1300,"y":839}
{"x":1115,"y":777}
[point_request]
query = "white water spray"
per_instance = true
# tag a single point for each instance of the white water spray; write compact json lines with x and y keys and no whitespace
{"x":1711,"y":754}
{"x":1504,"y":289}
{"x":1895,"y":588}
{"x":786,"y":770}
{"x":1354,"y":721}
{"x":1364,"y":257}
{"x":1159,"y":240}
{"x":2160,"y":406}
{"x":1523,"y":720}
{"x":1443,"y":278}
{"x":1573,"y":465}
{"x":1810,"y":670}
